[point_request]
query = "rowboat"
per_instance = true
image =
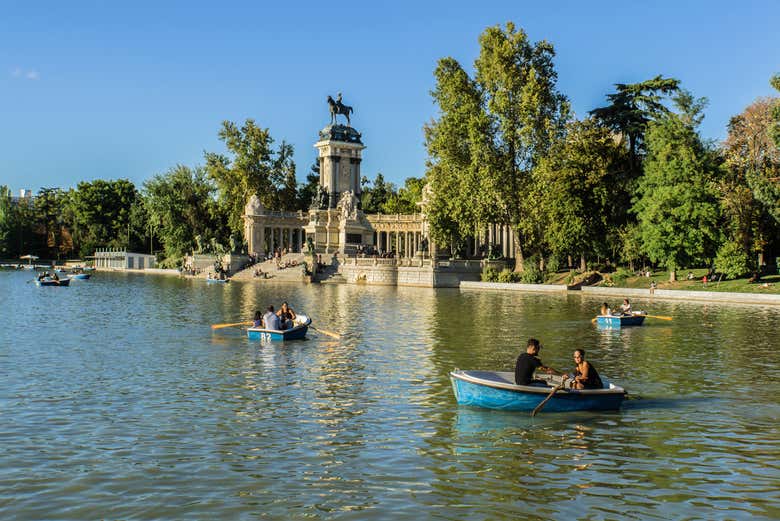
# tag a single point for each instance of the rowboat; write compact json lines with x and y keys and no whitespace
{"x":52,"y":282}
{"x":82,"y":276}
{"x":297,"y":332}
{"x":614,"y":321}
{"x":497,"y":390}
{"x":209,"y":280}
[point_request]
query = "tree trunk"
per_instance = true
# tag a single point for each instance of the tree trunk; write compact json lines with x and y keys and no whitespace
{"x":518,"y":252}
{"x":673,"y":276}
{"x":583,"y":266}
{"x":570,"y":264}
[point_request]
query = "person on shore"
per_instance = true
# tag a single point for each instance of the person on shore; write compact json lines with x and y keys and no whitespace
{"x":258,"y":321}
{"x":605,"y":309}
{"x":653,"y":285}
{"x":286,"y":316}
{"x":270,"y":320}
{"x":585,"y":375}
{"x":625,"y":307}
{"x":529,"y":362}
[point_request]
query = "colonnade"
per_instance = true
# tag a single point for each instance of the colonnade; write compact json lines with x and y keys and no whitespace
{"x":281,"y":237}
{"x":404,"y":243}
{"x":499,"y":235}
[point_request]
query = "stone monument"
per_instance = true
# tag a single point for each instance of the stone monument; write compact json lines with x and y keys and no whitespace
{"x":336,"y":220}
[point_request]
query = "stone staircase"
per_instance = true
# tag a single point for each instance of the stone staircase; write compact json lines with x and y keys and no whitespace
{"x":270,"y":272}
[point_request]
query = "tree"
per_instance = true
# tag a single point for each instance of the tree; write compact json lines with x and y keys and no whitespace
{"x":181,"y":205}
{"x":493,"y":130}
{"x":374,"y":198}
{"x":98,"y":214}
{"x":407,"y":199}
{"x":749,"y":196}
{"x":253,"y":169}
{"x":308,"y":190}
{"x":7,"y":223}
{"x":632,"y":108}
{"x":577,"y":179}
{"x":775,"y":82}
{"x":677,"y":204}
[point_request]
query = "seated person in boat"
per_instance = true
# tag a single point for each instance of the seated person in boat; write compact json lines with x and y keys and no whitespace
{"x":625,"y":307}
{"x":286,"y":316}
{"x":585,"y":375}
{"x":54,"y":275}
{"x":528,"y":362}
{"x":605,"y":310}
{"x":270,"y":320}
{"x":42,"y":275}
{"x":258,"y":321}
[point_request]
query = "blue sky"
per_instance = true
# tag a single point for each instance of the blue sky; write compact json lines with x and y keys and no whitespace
{"x":93,"y":90}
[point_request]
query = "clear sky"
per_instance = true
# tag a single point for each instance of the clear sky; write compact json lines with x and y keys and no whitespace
{"x":111,"y":90}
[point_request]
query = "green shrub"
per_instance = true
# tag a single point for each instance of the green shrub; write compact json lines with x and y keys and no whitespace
{"x":508,"y":276}
{"x":489,"y":274}
{"x":732,"y":260}
{"x":620,"y":276}
{"x":553,"y":264}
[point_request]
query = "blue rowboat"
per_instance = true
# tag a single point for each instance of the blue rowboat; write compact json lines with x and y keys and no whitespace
{"x":295,"y":333}
{"x":497,"y":390}
{"x":615,"y":321}
{"x":209,"y":280}
{"x":52,"y":282}
{"x":82,"y":276}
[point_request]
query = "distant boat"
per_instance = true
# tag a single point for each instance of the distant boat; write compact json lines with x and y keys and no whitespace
{"x":497,"y":390}
{"x":636,"y":318}
{"x":52,"y":282}
{"x":295,"y":333}
{"x":82,"y":276}
{"x":209,"y":280}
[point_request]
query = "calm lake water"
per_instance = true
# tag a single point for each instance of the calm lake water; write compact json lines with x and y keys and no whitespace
{"x":117,"y":401}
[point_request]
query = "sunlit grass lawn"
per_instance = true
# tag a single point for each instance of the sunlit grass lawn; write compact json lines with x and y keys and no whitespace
{"x":767,"y":284}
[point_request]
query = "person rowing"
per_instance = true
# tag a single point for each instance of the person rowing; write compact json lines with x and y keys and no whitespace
{"x":528,"y":362}
{"x":286,"y":316}
{"x":625,"y":308}
{"x":270,"y":320}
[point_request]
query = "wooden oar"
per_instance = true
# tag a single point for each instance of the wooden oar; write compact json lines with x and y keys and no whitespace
{"x":220,"y":326}
{"x":324,"y":332}
{"x":660,"y":318}
{"x":555,"y":390}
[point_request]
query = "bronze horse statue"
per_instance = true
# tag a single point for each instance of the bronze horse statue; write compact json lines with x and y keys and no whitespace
{"x":337,"y":107}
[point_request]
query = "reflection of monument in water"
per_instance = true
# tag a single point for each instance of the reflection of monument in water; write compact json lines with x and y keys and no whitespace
{"x":335,"y":223}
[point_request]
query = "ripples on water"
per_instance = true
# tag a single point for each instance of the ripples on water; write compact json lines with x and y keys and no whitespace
{"x":118,"y":402}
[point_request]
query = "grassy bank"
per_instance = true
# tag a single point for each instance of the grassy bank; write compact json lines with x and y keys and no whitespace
{"x":769,"y":284}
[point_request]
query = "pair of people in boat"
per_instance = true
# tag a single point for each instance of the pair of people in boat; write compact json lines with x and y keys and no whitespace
{"x":279,"y":320}
{"x":625,"y":308}
{"x":584,"y":375}
{"x":53,"y":275}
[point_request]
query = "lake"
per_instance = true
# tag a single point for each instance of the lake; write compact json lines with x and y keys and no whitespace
{"x":119,"y":402}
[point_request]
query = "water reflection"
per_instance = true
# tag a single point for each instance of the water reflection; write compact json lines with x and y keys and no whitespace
{"x":130,"y":404}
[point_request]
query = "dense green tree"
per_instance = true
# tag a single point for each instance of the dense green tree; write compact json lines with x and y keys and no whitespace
{"x":254,"y":168}
{"x":505,"y":120}
{"x":407,"y":199}
{"x":775,"y":82}
{"x":576,"y":184}
{"x":632,"y":108}
{"x":374,"y":196}
{"x":181,"y":206}
{"x":98,"y":214}
{"x":677,"y":205}
{"x":749,"y":196}
{"x":308,"y":190}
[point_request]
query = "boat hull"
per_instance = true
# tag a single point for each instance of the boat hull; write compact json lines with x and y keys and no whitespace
{"x":268,"y":335}
{"x":217,"y":281}
{"x":81,"y":276}
{"x":49,"y":282}
{"x":495,"y":390}
{"x":616,"y":321}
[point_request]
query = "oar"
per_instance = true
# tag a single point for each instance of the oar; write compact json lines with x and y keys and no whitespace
{"x":324,"y":332}
{"x":660,"y":318}
{"x":555,"y":390}
{"x":220,"y":326}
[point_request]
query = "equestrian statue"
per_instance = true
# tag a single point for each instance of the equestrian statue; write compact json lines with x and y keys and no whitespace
{"x":337,"y":107}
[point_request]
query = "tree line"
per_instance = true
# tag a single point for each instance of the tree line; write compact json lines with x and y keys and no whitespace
{"x":631,"y":182}
{"x":183,"y":210}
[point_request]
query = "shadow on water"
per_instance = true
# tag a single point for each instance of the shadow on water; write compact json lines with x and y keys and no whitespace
{"x":637,"y":402}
